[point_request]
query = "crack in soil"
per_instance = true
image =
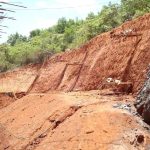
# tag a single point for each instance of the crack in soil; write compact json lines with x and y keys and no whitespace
{"x":81,"y":67}
{"x":37,"y":76}
{"x":55,"y":123}
{"x":128,"y":66}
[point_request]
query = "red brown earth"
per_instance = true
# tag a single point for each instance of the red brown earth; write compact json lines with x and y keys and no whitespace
{"x":5,"y":100}
{"x":52,"y":116}
{"x":112,"y":54}
{"x":71,"y":121}
{"x":107,"y":55}
{"x":18,"y":80}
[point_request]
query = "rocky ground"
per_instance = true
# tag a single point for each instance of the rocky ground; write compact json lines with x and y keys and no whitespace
{"x":143,"y":100}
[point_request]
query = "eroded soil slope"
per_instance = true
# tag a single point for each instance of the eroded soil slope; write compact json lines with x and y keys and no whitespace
{"x":5,"y":100}
{"x":119,"y":54}
{"x":123,"y":53}
{"x":70,"y":121}
{"x":18,"y":80}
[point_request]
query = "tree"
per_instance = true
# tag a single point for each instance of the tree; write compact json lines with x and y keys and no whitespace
{"x":61,"y":24}
{"x":69,"y":35}
{"x":14,"y":38}
{"x":5,"y":62}
{"x":133,"y":8}
{"x":90,"y":16}
{"x":35,"y":33}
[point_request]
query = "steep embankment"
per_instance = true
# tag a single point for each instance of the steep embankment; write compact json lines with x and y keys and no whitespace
{"x":123,"y":53}
{"x":18,"y":80}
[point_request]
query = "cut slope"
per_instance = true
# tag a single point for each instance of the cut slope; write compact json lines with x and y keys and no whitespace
{"x":115,"y":54}
{"x":123,"y":53}
{"x":18,"y":80}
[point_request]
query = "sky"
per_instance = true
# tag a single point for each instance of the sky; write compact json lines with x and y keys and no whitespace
{"x":41,"y":14}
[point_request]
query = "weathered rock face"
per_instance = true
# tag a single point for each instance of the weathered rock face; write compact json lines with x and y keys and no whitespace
{"x":143,"y":100}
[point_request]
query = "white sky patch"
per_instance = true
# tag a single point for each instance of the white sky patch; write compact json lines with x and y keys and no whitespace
{"x":47,"y":4}
{"x":76,"y":2}
{"x":38,"y":24}
{"x":5,"y":1}
{"x":78,"y":5}
{"x":44,"y":23}
{"x":42,"y":4}
{"x":81,"y":6}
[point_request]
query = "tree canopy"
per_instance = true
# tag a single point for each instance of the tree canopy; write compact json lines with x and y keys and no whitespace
{"x":67,"y":33}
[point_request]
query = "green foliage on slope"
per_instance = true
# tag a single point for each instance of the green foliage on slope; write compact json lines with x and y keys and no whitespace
{"x":67,"y":34}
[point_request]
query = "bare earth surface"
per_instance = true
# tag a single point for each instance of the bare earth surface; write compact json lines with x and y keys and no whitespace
{"x":112,"y":54}
{"x":64,"y":104}
{"x":72,"y":121}
{"x":18,"y":80}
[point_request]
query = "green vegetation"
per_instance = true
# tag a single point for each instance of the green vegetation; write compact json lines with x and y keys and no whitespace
{"x":67,"y":34}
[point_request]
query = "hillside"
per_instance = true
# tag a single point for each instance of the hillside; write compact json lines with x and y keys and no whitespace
{"x":67,"y":33}
{"x":67,"y":103}
{"x":114,"y":54}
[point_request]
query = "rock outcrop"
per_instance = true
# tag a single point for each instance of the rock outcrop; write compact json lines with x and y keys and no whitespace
{"x":143,"y":100}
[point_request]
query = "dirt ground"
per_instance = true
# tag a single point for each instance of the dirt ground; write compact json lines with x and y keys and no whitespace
{"x":93,"y":120}
{"x":5,"y":100}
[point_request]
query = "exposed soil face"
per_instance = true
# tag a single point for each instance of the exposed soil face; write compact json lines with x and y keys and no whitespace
{"x":5,"y":100}
{"x":18,"y":80}
{"x":113,"y":54}
{"x":44,"y":117}
{"x":4,"y":144}
{"x":108,"y":55}
{"x":77,"y":120}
